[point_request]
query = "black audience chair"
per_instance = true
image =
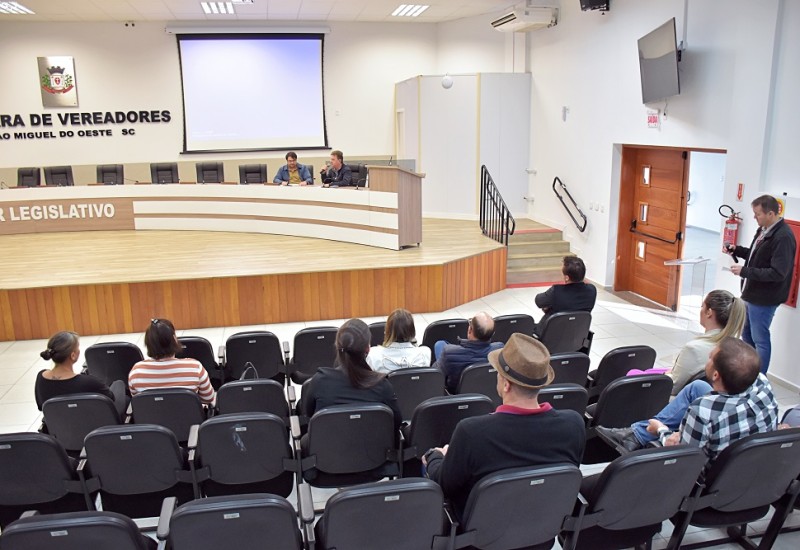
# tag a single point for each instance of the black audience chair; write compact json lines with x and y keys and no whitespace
{"x":70,"y":418}
{"x":433,"y":424}
{"x":36,"y":473}
{"x":377,"y":331}
{"x":75,"y":531}
{"x":479,"y":378}
{"x":349,"y":444}
{"x":244,"y":453}
{"x":313,"y":348}
{"x":210,"y":172}
{"x":112,"y":361}
{"x":136,"y":466}
{"x":565,"y":332}
{"x":200,"y":349}
{"x":570,"y":368}
{"x":412,"y":386}
{"x":629,"y":500}
{"x":59,"y":175}
{"x":250,"y":396}
{"x":401,"y":514}
{"x":252,"y":173}
{"x":630,"y":399}
{"x":262,"y":349}
{"x":244,"y":522}
{"x":519,"y":508}
{"x":447,"y":329}
{"x":616,"y":364}
{"x":177,"y":409}
{"x":565,"y":396}
{"x":110,"y":174}
{"x":740,"y":485}
{"x":29,"y":177}
{"x":164,"y":172}
{"x":506,"y":325}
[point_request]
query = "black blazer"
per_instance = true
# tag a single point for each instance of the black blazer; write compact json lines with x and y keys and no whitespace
{"x":767,"y":272}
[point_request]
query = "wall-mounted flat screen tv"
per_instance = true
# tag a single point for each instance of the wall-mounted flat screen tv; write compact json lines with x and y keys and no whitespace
{"x":658,"y":63}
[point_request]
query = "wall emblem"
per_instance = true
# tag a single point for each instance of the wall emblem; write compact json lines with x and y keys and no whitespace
{"x":57,"y":82}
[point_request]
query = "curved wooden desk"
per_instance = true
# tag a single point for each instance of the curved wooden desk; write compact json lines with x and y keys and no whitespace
{"x":387,"y":215}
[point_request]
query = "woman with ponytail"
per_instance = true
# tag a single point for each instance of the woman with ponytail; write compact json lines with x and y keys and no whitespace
{"x":351,"y":380}
{"x":64,"y":350}
{"x":721,"y":315}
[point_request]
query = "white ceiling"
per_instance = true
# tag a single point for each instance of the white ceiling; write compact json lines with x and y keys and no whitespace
{"x":259,"y":10}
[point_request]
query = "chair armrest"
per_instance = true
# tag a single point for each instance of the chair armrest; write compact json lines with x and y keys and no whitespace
{"x":221,"y":355}
{"x":167,"y":509}
{"x":305,"y":506}
{"x":294,"y":425}
{"x":285,"y":345}
{"x":193,"y":431}
{"x":291,"y":396}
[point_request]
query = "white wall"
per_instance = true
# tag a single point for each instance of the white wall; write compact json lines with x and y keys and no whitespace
{"x":739,"y":80}
{"x":135,"y":68}
{"x":707,"y":186}
{"x":471,"y":45}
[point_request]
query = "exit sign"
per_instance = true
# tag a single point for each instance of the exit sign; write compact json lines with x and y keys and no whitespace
{"x":653,"y":118}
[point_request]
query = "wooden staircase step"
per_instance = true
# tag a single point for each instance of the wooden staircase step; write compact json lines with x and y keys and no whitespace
{"x":535,"y":247}
{"x":534,"y":275}
{"x":545,"y":259}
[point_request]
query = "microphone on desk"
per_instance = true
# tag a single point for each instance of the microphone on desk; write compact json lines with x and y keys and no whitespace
{"x":390,"y":160}
{"x":3,"y":185}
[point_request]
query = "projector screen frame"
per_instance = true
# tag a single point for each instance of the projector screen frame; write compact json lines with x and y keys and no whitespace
{"x":271,"y":34}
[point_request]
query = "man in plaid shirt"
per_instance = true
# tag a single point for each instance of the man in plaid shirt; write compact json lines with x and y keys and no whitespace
{"x":737,"y":403}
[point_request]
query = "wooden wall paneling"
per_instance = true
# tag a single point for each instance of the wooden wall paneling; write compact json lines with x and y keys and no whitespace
{"x":6,"y":320}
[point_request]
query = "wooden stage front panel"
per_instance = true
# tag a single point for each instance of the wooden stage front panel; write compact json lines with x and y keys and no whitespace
{"x":92,"y":284}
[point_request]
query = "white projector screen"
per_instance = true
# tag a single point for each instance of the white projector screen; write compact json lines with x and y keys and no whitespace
{"x":252,"y":92}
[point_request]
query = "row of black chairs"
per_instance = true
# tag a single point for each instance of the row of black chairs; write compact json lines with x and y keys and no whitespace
{"x":313,"y":348}
{"x":624,"y":507}
{"x":163,"y":172}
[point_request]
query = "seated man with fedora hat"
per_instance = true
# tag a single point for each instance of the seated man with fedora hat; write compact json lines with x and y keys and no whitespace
{"x":520,"y":433}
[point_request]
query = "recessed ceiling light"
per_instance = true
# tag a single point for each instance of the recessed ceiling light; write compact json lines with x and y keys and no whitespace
{"x":218,"y":8}
{"x":14,"y":8}
{"x":409,"y":10}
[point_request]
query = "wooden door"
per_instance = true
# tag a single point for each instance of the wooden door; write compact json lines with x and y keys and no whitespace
{"x":651,"y":223}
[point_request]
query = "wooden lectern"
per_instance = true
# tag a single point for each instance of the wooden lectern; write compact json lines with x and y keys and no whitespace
{"x":408,"y":186}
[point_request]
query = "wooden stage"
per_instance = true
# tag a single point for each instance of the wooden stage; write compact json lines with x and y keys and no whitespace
{"x":111,"y":282}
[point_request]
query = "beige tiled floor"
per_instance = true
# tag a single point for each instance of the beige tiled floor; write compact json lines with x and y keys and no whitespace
{"x":615,"y":322}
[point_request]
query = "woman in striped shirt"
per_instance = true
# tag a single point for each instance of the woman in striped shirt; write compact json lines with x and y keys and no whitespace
{"x":163,"y":370}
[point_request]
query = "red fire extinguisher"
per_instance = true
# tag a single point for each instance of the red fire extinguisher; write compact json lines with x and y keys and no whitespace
{"x":730,"y":235}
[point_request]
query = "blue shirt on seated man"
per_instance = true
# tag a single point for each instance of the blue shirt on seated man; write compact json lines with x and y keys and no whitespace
{"x":293,"y":172}
{"x":337,"y":174}
{"x":452,"y":359}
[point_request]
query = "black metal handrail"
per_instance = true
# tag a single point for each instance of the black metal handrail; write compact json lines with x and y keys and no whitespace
{"x":496,"y":219}
{"x":580,"y":227}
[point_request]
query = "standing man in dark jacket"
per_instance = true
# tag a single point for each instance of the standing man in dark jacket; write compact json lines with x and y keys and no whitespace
{"x":573,"y":295}
{"x":766,"y":273}
{"x":452,"y":359}
{"x":520,"y":433}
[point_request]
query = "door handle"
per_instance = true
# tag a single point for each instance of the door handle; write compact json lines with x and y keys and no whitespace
{"x":678,"y":235}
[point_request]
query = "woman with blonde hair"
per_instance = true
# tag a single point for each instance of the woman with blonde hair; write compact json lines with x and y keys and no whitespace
{"x":398,"y":350}
{"x":721,"y":315}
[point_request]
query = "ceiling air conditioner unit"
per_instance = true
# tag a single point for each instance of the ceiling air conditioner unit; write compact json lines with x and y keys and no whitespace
{"x":527,"y":19}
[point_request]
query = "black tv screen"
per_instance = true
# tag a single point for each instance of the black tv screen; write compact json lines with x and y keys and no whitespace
{"x":658,"y":63}
{"x":587,"y":5}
